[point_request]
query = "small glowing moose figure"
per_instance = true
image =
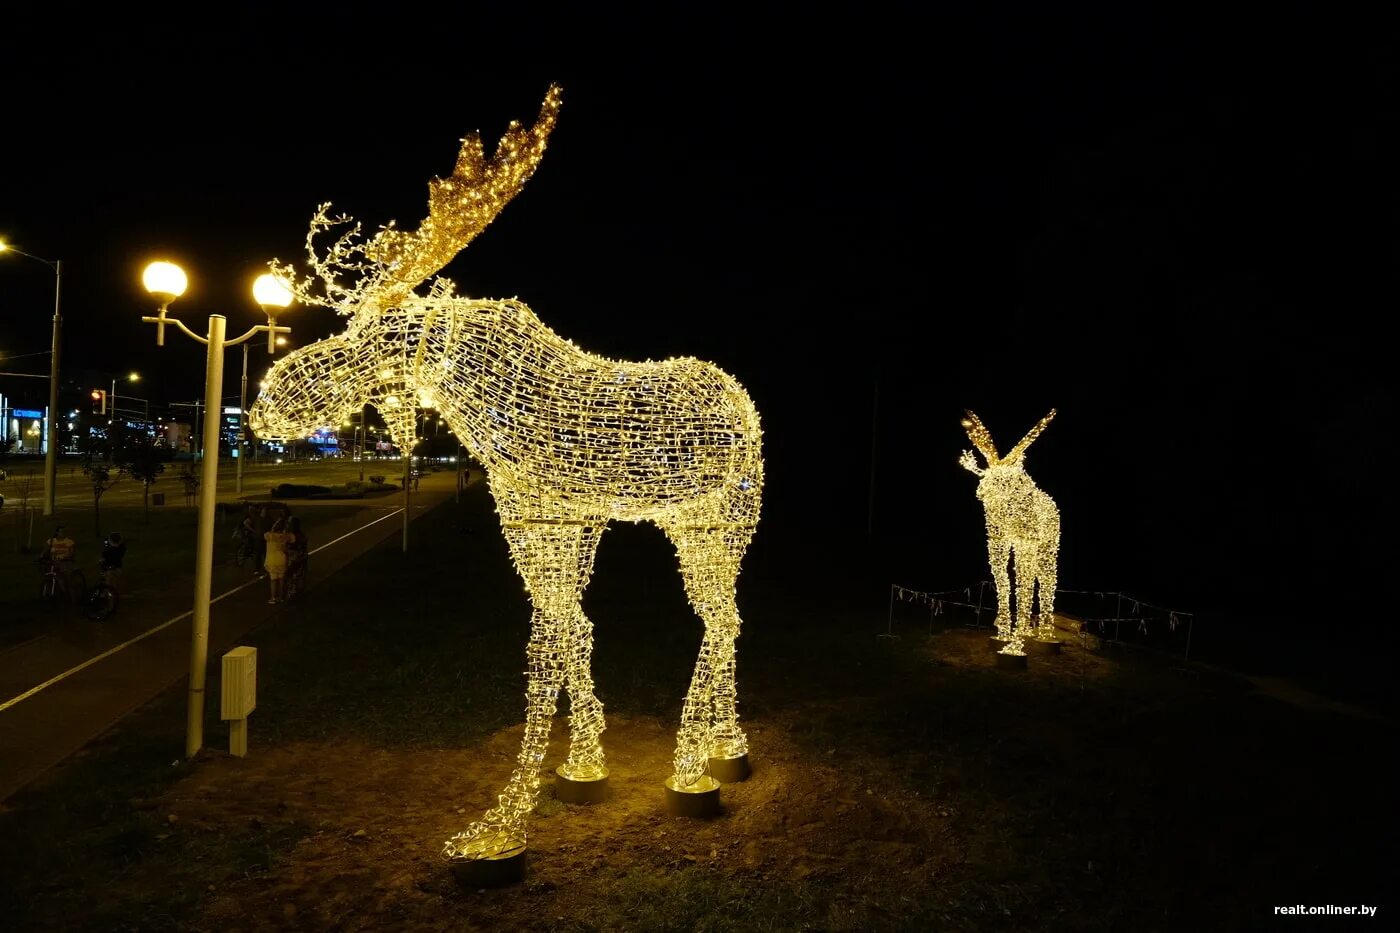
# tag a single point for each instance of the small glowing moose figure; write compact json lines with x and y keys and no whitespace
{"x":1022,"y":522}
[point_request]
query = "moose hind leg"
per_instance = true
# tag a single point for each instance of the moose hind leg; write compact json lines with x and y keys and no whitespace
{"x":709,"y":559}
{"x":1046,"y":581}
{"x":555,"y":560}
{"x":1026,"y":564}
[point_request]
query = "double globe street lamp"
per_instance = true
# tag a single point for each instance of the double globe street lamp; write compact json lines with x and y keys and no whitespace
{"x":166,"y":282}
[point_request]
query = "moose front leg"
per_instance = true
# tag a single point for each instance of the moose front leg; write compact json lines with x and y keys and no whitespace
{"x":555,"y":559}
{"x":999,"y":554}
{"x":583,"y":776}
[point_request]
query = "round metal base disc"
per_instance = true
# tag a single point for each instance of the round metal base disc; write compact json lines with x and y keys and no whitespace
{"x":492,"y":871}
{"x":1048,"y":646}
{"x":699,"y":800}
{"x":568,"y":790}
{"x":1011,"y":662}
{"x":730,"y":770}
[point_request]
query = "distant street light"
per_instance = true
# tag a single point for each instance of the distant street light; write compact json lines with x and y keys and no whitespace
{"x":167,"y":281}
{"x":51,"y":453}
{"x":112,"y":412}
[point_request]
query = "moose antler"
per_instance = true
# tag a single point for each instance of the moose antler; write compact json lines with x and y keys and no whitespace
{"x":1020,"y":449}
{"x":391,"y":264}
{"x":461,"y":206}
{"x":981,"y":438}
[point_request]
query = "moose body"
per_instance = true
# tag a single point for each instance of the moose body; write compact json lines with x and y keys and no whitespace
{"x":570,"y":442}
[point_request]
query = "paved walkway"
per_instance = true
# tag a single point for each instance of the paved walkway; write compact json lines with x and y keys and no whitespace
{"x":60,"y":691}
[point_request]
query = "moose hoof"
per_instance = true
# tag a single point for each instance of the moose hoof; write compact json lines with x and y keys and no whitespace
{"x":1046,"y":646}
{"x":730,"y":770}
{"x":699,"y":800}
{"x":490,"y":871}
{"x":578,"y":790}
{"x":1011,"y":662}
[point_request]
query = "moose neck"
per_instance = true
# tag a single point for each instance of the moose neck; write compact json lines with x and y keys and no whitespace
{"x":473,"y":359}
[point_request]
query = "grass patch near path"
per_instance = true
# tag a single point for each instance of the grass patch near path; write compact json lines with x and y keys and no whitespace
{"x":900,"y":784}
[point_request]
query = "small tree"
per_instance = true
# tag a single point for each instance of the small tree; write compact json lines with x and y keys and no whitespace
{"x":191,"y":481}
{"x":144,"y":462}
{"x":102,"y":477}
{"x":23,"y":486}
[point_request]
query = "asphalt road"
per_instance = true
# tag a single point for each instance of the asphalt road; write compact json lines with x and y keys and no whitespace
{"x":59,"y":691}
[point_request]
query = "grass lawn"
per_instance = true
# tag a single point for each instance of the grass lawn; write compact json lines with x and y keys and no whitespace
{"x":900,"y":784}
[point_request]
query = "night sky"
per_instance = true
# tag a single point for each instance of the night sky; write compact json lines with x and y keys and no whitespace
{"x":1180,"y":232}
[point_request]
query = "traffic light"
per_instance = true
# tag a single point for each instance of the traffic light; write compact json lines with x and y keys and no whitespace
{"x":99,"y":401}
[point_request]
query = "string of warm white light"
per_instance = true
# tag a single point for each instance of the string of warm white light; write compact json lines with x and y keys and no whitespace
{"x":1022,"y":523}
{"x":570,"y":441}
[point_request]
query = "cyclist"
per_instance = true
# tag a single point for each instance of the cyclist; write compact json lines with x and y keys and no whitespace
{"x":246,"y":535}
{"x":113,"y":553}
{"x":61,"y":551}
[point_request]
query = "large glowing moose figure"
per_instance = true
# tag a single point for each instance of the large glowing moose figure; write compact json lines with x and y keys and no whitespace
{"x":1022,"y":521}
{"x":570,"y":441}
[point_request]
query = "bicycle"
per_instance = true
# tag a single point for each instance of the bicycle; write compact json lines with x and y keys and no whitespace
{"x":244,"y":551}
{"x":101,"y":601}
{"x":56,"y":584}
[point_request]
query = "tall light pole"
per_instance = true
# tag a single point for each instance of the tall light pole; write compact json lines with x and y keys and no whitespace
{"x":51,"y":453}
{"x":273,"y":297}
{"x":112,"y":415}
{"x":242,"y":413}
{"x":166,"y":282}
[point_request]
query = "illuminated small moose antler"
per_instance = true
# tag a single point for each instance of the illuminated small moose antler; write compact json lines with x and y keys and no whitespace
{"x":1022,"y":524}
{"x":570,"y":442}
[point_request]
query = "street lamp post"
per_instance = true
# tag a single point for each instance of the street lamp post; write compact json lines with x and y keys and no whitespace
{"x":272,"y":302}
{"x":112,"y":415}
{"x":166,"y":281}
{"x":51,"y":453}
{"x":242,"y":413}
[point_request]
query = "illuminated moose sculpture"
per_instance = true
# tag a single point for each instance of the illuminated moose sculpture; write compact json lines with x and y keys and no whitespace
{"x":1021,"y":521}
{"x":570,"y":441}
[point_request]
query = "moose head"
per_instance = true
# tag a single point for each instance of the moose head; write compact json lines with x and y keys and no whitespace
{"x":372,"y":283}
{"x":1002,"y":477}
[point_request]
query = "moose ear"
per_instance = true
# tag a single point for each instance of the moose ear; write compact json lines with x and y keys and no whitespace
{"x":1020,"y":449}
{"x":981,"y":438}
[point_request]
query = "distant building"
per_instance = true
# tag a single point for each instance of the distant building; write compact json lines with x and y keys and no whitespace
{"x":179,"y":436}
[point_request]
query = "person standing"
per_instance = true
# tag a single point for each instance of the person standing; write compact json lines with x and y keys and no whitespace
{"x":297,"y":554}
{"x":278,"y":540}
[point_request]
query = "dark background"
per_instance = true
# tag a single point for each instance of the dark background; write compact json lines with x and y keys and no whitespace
{"x":1178,"y":230}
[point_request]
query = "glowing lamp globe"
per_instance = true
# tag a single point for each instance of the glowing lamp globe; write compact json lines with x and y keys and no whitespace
{"x":271,"y":291}
{"x":165,"y":280}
